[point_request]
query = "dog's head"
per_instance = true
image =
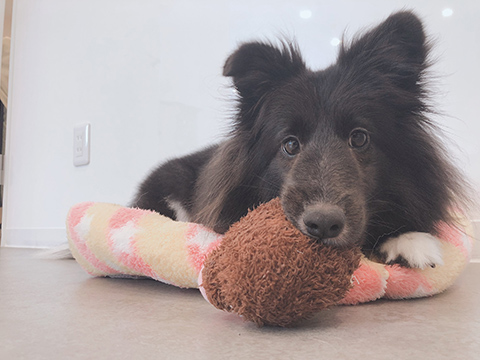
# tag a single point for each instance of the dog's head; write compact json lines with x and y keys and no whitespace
{"x":348,"y":148}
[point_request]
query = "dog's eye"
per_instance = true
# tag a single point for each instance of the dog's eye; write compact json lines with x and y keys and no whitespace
{"x":291,"y":146}
{"x":359,"y":138}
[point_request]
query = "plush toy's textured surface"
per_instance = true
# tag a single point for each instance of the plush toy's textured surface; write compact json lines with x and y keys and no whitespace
{"x":266,"y":270}
{"x":111,"y":240}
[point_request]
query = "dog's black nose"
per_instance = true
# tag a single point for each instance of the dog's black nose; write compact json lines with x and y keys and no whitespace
{"x":324,"y":221}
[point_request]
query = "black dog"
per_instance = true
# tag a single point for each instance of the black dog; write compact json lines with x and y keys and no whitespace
{"x":349,"y":149}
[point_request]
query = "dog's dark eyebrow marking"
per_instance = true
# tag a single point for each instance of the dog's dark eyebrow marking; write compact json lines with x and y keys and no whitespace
{"x":361,"y":122}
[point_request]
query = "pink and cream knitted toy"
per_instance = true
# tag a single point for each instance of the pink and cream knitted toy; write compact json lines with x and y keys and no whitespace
{"x":263,"y":268}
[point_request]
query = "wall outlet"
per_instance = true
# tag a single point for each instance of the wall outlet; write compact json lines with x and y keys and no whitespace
{"x":81,"y":145}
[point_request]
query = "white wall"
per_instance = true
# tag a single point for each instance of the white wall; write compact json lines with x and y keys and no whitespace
{"x":147,"y":76}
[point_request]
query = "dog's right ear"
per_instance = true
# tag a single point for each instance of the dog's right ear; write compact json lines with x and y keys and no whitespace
{"x":257,"y":68}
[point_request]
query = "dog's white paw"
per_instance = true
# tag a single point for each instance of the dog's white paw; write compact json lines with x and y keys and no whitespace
{"x":413,"y":249}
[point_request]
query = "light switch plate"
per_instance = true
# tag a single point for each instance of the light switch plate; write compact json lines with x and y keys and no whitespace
{"x":81,"y":145}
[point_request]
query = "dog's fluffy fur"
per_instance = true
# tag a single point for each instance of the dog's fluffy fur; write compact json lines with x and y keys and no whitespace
{"x":349,"y":149}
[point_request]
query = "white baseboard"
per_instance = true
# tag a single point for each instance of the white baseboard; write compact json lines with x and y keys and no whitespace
{"x":34,"y":238}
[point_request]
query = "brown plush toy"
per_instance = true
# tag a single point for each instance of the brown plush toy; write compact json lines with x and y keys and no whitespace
{"x":268,"y":272}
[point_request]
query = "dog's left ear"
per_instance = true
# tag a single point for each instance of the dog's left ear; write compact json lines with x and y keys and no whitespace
{"x":257,"y":68}
{"x":397,"y":48}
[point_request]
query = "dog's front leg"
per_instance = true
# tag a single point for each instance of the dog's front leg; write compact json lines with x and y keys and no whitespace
{"x":412,"y":249}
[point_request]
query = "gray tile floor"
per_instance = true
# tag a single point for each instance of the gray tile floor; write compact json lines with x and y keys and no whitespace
{"x":51,"y":309}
